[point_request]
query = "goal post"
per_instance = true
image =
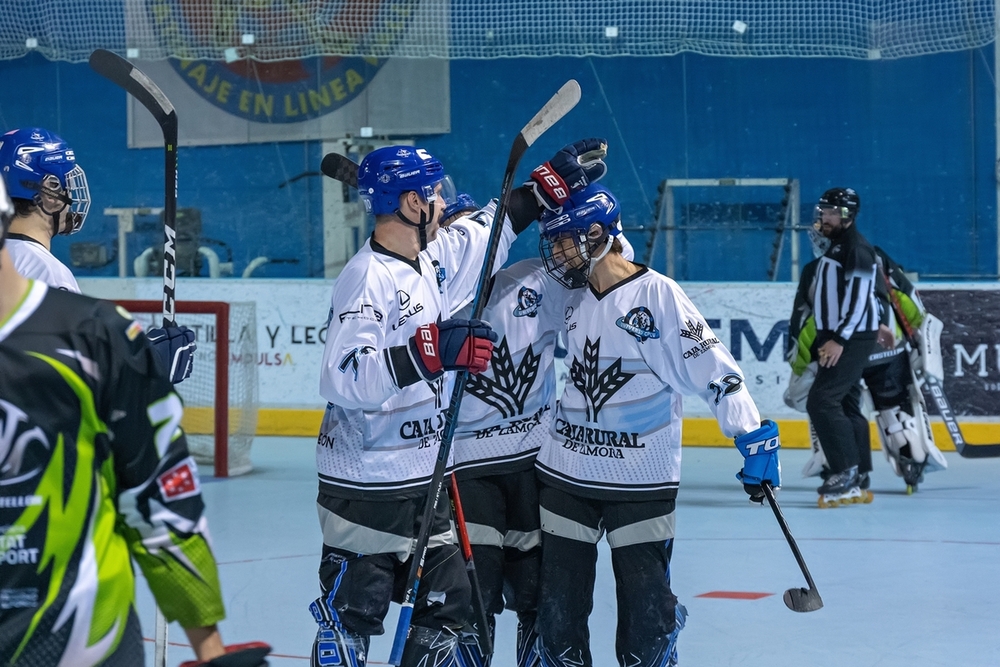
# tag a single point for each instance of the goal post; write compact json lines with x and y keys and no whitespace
{"x":220,"y":397}
{"x":786,"y":221}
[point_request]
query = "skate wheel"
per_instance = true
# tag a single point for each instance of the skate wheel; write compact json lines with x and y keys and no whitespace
{"x":867,"y":496}
{"x":910,"y":488}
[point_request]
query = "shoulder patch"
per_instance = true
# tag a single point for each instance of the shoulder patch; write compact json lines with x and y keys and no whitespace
{"x":528,"y":302}
{"x":179,"y":482}
{"x":639,"y":322}
{"x":133,"y":330}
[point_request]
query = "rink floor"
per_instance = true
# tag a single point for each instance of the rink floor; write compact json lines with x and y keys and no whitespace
{"x":908,"y":581}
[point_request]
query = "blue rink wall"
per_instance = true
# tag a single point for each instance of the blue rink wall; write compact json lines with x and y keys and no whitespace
{"x":914,"y":136}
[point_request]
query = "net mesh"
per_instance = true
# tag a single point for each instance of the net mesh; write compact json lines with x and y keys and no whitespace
{"x":290,"y":29}
{"x":198,"y":391}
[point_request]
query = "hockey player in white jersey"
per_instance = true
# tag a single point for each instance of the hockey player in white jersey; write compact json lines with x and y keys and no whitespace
{"x":506,"y":413}
{"x":392,"y":336}
{"x":51,"y":198}
{"x":612,"y":462}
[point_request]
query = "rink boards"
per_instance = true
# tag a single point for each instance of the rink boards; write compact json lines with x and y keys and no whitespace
{"x":751,"y":319}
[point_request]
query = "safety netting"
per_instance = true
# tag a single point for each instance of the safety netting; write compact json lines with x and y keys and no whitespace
{"x":271,"y":30}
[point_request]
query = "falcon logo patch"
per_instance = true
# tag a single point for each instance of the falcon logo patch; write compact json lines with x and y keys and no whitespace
{"x":352,"y":360}
{"x":528,"y":301}
{"x":639,"y":322}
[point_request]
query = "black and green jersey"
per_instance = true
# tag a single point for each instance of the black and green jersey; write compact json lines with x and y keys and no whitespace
{"x":94,"y":471}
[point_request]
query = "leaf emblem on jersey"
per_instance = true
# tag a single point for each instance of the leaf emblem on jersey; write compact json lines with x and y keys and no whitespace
{"x":597,"y":387}
{"x":508,"y":389}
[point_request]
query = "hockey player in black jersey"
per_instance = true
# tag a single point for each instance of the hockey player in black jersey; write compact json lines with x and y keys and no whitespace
{"x":847,"y":322}
{"x":611,"y":465}
{"x":94,"y":471}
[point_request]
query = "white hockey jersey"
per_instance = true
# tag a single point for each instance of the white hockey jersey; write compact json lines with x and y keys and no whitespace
{"x":633,"y":351}
{"x":33,"y":260}
{"x":505,"y":411}
{"x":377,"y":440}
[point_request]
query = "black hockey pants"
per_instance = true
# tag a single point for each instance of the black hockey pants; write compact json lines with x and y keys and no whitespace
{"x":834,"y":407}
{"x":641,"y":539}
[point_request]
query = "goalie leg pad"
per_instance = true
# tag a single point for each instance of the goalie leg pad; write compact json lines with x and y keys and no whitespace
{"x":817,"y":464}
{"x":426,"y":647}
{"x":337,"y":647}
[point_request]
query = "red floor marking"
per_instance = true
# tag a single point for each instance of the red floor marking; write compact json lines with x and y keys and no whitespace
{"x":734,"y":595}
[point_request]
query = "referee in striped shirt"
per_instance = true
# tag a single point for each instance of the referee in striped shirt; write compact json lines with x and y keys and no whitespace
{"x":847,"y":322}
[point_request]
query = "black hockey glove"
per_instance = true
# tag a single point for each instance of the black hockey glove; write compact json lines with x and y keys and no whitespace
{"x":251,"y":654}
{"x":760,"y":451}
{"x":572,"y":169}
{"x":174,"y":347}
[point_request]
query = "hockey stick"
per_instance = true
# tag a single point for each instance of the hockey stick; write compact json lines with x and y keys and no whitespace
{"x":796,"y":599}
{"x":160,"y":650}
{"x":124,"y":74}
{"x":557,"y":107}
{"x":482,"y":618}
{"x":933,"y":388}
{"x":340,"y":168}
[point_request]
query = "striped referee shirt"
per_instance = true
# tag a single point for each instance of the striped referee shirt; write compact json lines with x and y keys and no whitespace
{"x":845,"y":305}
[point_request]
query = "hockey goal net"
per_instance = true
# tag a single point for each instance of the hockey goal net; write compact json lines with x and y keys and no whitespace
{"x":220,"y":397}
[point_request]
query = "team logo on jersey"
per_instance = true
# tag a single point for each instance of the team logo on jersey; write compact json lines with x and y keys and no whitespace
{"x":509,"y":387}
{"x":597,"y":386}
{"x":696,"y":331}
{"x":16,"y":439}
{"x":179,"y":482}
{"x":729,"y":384}
{"x":639,"y":322}
{"x":353,"y":359}
{"x":439,"y":274}
{"x":365,"y":311}
{"x":528,"y":301}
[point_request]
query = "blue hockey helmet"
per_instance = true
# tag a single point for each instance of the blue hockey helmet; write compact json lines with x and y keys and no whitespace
{"x":386,"y":173}
{"x":41,"y":167}
{"x":462,"y":203}
{"x":577,"y":235}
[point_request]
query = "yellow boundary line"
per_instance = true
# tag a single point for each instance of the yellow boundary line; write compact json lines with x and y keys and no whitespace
{"x":698,"y":431}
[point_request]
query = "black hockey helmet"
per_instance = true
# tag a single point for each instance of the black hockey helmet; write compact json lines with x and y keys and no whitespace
{"x":846,"y":199}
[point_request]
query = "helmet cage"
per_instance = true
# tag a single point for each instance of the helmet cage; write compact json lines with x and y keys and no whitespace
{"x":566,"y":257}
{"x":54,"y":197}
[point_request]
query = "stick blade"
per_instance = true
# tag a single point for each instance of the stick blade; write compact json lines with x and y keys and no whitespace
{"x":126,"y":75}
{"x":803,"y":599}
{"x":558,"y":106}
{"x":340,"y":168}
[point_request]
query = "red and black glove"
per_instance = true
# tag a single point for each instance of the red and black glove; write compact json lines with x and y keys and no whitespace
{"x":572,"y":169}
{"x":452,"y":345}
{"x":251,"y":654}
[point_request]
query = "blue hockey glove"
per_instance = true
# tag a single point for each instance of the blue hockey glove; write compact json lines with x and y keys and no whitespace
{"x":174,"y":347}
{"x":760,"y":451}
{"x":572,"y":169}
{"x":452,"y":345}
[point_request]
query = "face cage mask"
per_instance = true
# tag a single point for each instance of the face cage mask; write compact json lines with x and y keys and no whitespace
{"x":425,"y":218}
{"x":75,"y":200}
{"x":820,"y":244}
{"x":572,"y":268}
